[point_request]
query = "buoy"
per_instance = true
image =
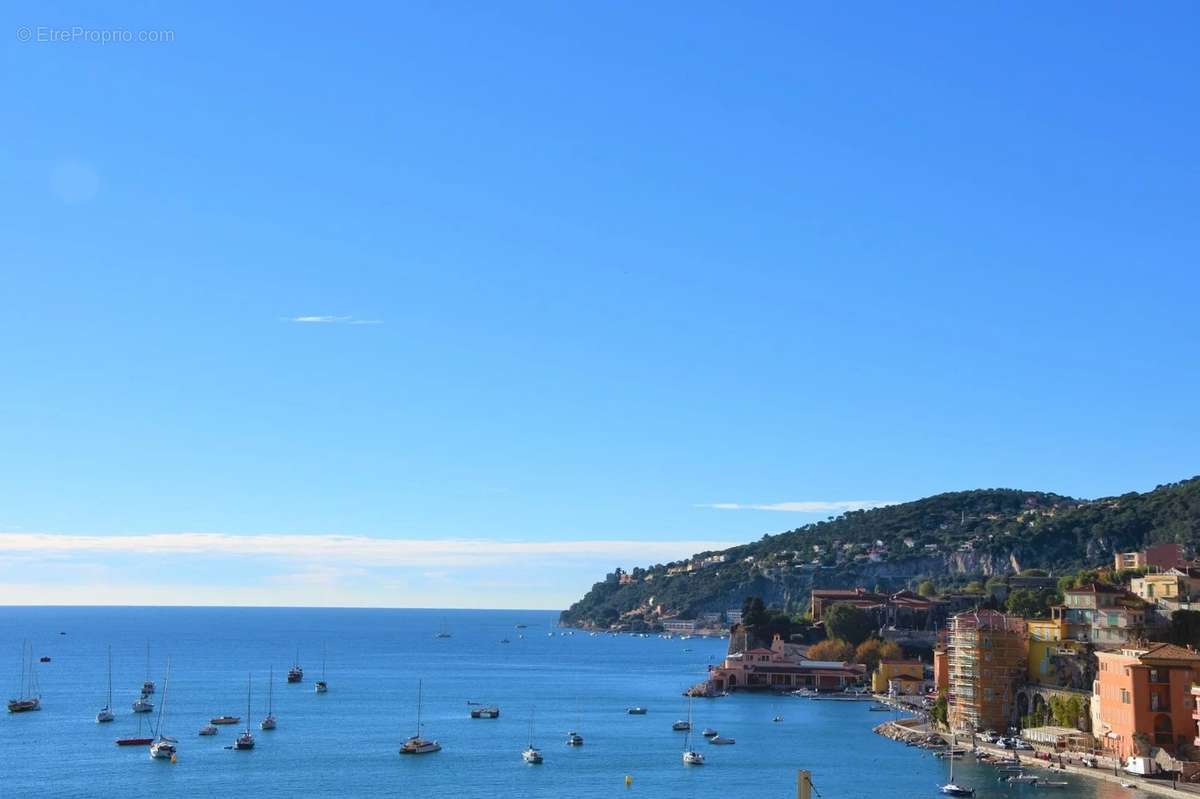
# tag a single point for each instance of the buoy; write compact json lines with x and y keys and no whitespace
{"x":628,"y":781}
{"x":173,"y":761}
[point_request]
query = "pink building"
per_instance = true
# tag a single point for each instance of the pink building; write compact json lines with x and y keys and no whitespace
{"x":781,"y":667}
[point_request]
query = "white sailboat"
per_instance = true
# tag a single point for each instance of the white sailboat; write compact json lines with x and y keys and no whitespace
{"x":245,"y":741}
{"x":269,"y":722}
{"x":443,"y":632}
{"x":690,"y":756}
{"x":163,"y":747}
{"x":106,"y":713}
{"x":532,"y":754}
{"x":417,"y":745}
{"x":28,"y":697}
{"x":951,"y":788}
{"x":321,"y":685}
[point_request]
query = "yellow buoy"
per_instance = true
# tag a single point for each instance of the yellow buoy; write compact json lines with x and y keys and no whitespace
{"x":173,"y":761}
{"x":628,"y":781}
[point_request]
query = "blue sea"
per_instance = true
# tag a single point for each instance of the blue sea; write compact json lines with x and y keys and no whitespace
{"x":344,"y":743}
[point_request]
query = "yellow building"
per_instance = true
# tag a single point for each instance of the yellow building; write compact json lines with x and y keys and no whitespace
{"x":891,"y":669}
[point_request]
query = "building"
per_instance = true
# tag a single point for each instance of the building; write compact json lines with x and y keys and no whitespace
{"x":686,"y":626}
{"x":824,"y":598}
{"x":733,"y":616}
{"x":902,"y":610}
{"x":889,"y":670}
{"x":1104,"y":615}
{"x":1142,"y":698}
{"x":781,"y":667}
{"x":1156,"y":557}
{"x":1168,"y":591}
{"x":1055,"y":659}
{"x":987,"y":659}
{"x":941,"y":670}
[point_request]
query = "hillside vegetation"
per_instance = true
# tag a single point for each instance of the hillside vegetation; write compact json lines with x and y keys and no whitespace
{"x":949,"y":538}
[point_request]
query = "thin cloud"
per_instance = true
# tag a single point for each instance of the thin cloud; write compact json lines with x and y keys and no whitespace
{"x":333,"y":320}
{"x":807,"y":506}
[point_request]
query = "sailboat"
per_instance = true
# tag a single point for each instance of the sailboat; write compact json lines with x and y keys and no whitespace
{"x":443,"y":633}
{"x":532,"y":754}
{"x":148,"y":685}
{"x":106,"y":713}
{"x":951,"y":788}
{"x":245,"y":741}
{"x":269,"y":722}
{"x":690,"y":756}
{"x":322,"y":686}
{"x":27,"y":691}
{"x":417,"y":745}
{"x":163,"y":747}
{"x":295,"y":673}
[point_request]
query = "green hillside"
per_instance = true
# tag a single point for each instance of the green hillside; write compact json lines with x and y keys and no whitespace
{"x":950,"y":538}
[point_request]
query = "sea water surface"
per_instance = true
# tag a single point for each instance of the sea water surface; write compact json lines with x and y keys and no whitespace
{"x":345,"y":742}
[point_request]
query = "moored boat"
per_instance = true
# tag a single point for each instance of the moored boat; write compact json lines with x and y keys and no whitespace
{"x":636,"y":711}
{"x":489,"y":712}
{"x":245,"y":741}
{"x":224,"y":720}
{"x":296,"y":673}
{"x":164,"y":747}
{"x":532,"y":755}
{"x":268,"y":723}
{"x":417,"y":745}
{"x":106,"y":713}
{"x":208,"y":729}
{"x":28,"y":697}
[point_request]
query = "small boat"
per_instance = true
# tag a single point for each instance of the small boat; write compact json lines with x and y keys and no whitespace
{"x":142,"y":705}
{"x":709,"y":732}
{"x":720,"y":740}
{"x":879,"y":707}
{"x":295,"y":673}
{"x":44,"y":659}
{"x":491,"y":712}
{"x":1052,"y":783}
{"x":636,"y":711}
{"x":106,"y":714}
{"x":522,"y":626}
{"x":136,"y":740}
{"x":321,"y":685}
{"x":245,"y":741}
{"x":1022,"y":778}
{"x":28,"y":698}
{"x":574,"y":739}
{"x":777,"y":719}
{"x":1127,"y":784}
{"x":443,"y":633}
{"x":208,"y":729}
{"x":164,"y":747}
{"x":268,"y":723}
{"x":505,"y":641}
{"x":532,"y":755}
{"x":225,"y":720}
{"x":682,"y":726}
{"x":416,"y":745}
{"x":690,"y":756}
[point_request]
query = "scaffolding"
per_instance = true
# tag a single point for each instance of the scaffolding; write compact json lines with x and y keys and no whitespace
{"x":986,"y":654}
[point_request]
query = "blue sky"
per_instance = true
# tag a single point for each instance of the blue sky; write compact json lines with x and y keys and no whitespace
{"x":574,"y":274}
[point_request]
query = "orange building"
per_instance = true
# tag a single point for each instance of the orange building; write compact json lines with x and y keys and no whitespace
{"x":941,"y":670}
{"x":1144,"y":692}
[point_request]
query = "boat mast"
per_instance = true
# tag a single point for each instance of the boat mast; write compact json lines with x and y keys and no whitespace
{"x":109,"y":705}
{"x":162,"y":707}
{"x":418,"y":735}
{"x":21,"y":684}
{"x":247,"y":703}
{"x":270,"y":692}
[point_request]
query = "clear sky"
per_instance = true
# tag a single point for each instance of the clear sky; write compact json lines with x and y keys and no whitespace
{"x":508,"y":294}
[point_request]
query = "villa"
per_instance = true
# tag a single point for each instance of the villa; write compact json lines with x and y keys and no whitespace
{"x":782,"y":667}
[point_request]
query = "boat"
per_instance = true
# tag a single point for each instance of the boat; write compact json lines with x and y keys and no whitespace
{"x":417,"y":745}
{"x":879,"y":707}
{"x":269,"y":722}
{"x":443,"y":632}
{"x":522,"y":626}
{"x":208,"y":729}
{"x":28,"y":697}
{"x":636,"y":711}
{"x":1127,"y":784}
{"x":505,"y":641}
{"x":225,"y":720}
{"x":106,"y":714}
{"x":136,"y":740}
{"x":245,"y":741}
{"x":682,"y":726}
{"x":532,"y":755}
{"x":952,"y":788}
{"x":295,"y":673}
{"x":44,"y":659}
{"x":574,"y":739}
{"x":148,"y":685}
{"x":322,"y":686}
{"x":708,"y":732}
{"x":690,"y":756}
{"x":163,"y":747}
{"x":721,"y":740}
{"x":490,"y":712}
{"x":142,"y":704}
{"x":777,"y":719}
{"x":1052,"y":783}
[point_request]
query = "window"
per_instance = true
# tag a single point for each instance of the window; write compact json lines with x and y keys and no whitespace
{"x":1124,"y":696}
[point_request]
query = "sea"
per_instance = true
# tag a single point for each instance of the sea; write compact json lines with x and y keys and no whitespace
{"x":345,"y":743}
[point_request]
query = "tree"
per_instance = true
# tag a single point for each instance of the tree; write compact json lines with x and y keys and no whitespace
{"x":831,"y":649}
{"x":927,"y":588}
{"x":974,"y":587}
{"x":754,"y":612}
{"x":873,"y":651}
{"x":849,"y":623}
{"x":1023,"y":602}
{"x":1185,"y":628}
{"x":940,"y":709}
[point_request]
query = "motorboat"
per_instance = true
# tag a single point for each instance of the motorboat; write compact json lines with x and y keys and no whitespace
{"x":490,"y":712}
{"x":142,"y":705}
{"x":777,"y":719}
{"x":636,"y":711}
{"x":720,"y":740}
{"x":574,"y":739}
{"x":879,"y":707}
{"x":44,"y":659}
{"x":416,"y":745}
{"x":1022,"y":777}
{"x":225,"y":720}
{"x":708,"y":732}
{"x":693,"y":758}
{"x":208,"y":729}
{"x":682,"y":726}
{"x":1052,"y":783}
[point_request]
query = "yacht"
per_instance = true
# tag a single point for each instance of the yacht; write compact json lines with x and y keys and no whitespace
{"x":269,"y":722}
{"x":636,"y":711}
{"x":709,"y":732}
{"x":148,"y":685}
{"x":682,"y":726}
{"x":490,"y":712}
{"x":720,"y":740}
{"x":321,"y":685}
{"x":690,"y":756}
{"x":295,"y":673}
{"x":106,"y":714}
{"x":208,"y":729}
{"x":951,"y":788}
{"x":416,"y":745}
{"x":142,"y":705}
{"x":225,"y":720}
{"x":443,"y":632}
{"x":164,"y":747}
{"x":532,"y":755}
{"x":574,"y":739}
{"x":245,"y":741}
{"x":27,"y":698}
